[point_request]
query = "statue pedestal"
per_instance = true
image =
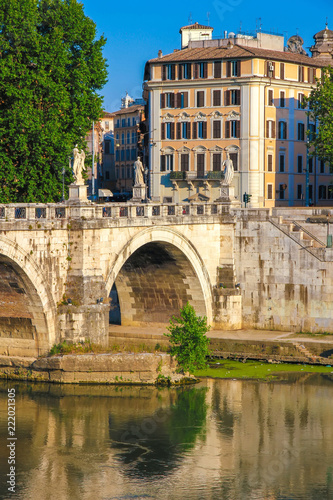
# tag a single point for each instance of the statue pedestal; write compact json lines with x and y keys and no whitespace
{"x":139,"y":193}
{"x":227,"y":196}
{"x":78,"y":193}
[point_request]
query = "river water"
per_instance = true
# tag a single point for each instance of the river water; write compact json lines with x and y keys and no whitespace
{"x":221,"y":439}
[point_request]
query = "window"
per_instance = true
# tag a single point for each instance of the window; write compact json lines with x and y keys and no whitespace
{"x":118,"y":123}
{"x":270,"y":163}
{"x":217,"y":129}
{"x":117,"y":155}
{"x":128,"y":151}
{"x":322,"y":166}
{"x":128,"y":172}
{"x":300,"y":101}
{"x":216,"y":162}
{"x":200,"y":165}
{"x":300,"y":131}
{"x":184,"y":162}
{"x":128,"y":122}
{"x":311,"y":75}
{"x":282,"y":163}
{"x":183,"y":99}
{"x":269,"y":191}
{"x":167,"y":130}
{"x":168,"y":72}
{"x":282,"y":130}
{"x":270,"y":98}
{"x":281,"y":71}
{"x":233,"y":68}
{"x":310,"y":193}
{"x":217,"y":69}
{"x":200,"y":70}
{"x":216,"y":98}
{"x":133,"y":137}
{"x":168,"y":100}
{"x":123,"y":122}
{"x":123,"y":172}
{"x":186,"y":130}
{"x":299,"y":164}
{"x":312,"y":131}
{"x":232,"y":97}
{"x":128,"y":138}
{"x":232,"y":129}
{"x":202,"y":130}
{"x":270,"y":69}
{"x":184,"y":71}
{"x":282,"y":99}
{"x":310,"y":165}
{"x":107,"y":125}
{"x":133,"y":154}
{"x":299,"y":191}
{"x":133,"y":122}
{"x":166,"y":162}
{"x":107,"y":147}
{"x":234,"y":159}
{"x":122,"y":155}
{"x":322,"y":193}
{"x":330,"y":192}
{"x":282,"y":188}
{"x":270,"y":129}
{"x":200,"y":99}
{"x":301,"y":73}
{"x":123,"y":138}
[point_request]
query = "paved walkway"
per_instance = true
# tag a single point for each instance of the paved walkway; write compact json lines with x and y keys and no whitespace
{"x":156,"y":332}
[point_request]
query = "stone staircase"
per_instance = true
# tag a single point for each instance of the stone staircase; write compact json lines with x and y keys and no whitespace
{"x":305,"y":352}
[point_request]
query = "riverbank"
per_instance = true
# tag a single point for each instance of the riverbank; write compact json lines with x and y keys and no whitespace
{"x":120,"y":368}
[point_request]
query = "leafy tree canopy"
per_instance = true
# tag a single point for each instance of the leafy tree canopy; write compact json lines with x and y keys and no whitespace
{"x":188,"y":340}
{"x":51,"y":67}
{"x":321,"y":110}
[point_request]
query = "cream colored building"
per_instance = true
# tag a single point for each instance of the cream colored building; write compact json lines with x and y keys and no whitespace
{"x":240,"y":95}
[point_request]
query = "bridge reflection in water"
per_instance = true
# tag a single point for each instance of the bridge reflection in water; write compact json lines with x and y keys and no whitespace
{"x":222,"y":439}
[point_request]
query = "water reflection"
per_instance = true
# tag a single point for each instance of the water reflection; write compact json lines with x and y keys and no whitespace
{"x":223,"y":439}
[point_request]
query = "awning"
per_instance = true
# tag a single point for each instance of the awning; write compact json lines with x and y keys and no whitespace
{"x":104,"y":193}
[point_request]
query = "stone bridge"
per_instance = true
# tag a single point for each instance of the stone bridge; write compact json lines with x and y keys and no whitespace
{"x":262,"y":268}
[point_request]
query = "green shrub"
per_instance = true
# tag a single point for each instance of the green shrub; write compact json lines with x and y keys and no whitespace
{"x":188,"y":340}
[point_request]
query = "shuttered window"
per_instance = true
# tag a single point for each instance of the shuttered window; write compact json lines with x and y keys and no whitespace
{"x":269,"y":191}
{"x":299,"y":164}
{"x":270,"y":163}
{"x":281,"y":71}
{"x":200,"y":165}
{"x":217,"y":69}
{"x":234,"y":159}
{"x":270,"y":97}
{"x":216,"y":98}
{"x":217,"y":129}
{"x":200,"y":99}
{"x":184,"y":162}
{"x":216,"y":162}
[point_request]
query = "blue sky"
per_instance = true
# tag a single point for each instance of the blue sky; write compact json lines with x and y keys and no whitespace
{"x":135,"y":31}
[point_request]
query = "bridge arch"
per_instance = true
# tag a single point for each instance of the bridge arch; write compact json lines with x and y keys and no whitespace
{"x":27,"y":309}
{"x":157,"y":272}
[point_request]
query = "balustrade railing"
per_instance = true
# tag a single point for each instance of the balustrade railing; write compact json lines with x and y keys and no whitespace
{"x":45,"y":212}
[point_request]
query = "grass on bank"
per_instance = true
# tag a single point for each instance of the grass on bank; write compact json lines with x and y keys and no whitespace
{"x":87,"y":347}
{"x":256,"y":370}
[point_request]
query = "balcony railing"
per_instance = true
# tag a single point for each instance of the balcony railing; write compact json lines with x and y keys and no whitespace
{"x":190,"y":176}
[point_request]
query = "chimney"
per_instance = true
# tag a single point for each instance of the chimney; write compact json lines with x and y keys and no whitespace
{"x":160,"y":53}
{"x":225,"y":34}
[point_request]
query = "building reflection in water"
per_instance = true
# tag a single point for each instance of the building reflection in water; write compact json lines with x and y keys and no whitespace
{"x":222,"y":439}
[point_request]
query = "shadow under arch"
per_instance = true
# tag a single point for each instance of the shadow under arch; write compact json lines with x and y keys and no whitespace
{"x":155,"y":274}
{"x":27,"y":309}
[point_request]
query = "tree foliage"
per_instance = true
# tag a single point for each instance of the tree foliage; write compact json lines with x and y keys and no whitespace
{"x":187,"y":336}
{"x":51,"y":68}
{"x":321,"y":111}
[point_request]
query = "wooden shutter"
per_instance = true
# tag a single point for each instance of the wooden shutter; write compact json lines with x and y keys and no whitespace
{"x":270,"y":98}
{"x":162,"y":100}
{"x":216,"y":129}
{"x":237,"y":97}
{"x":281,"y":71}
{"x":227,"y":99}
{"x":164,"y":72}
{"x":227,"y":129}
{"x":270,"y":163}
{"x":194,"y":130}
{"x":205,"y":70}
{"x":179,"y":130}
{"x":162,"y":163}
{"x":196,"y":71}
{"x":269,"y":191}
{"x":180,"y":71}
{"x":285,"y":130}
{"x":172,"y":131}
{"x":217,"y":69}
{"x":188,"y":130}
{"x":178,"y":100}
{"x":200,"y":99}
{"x":172,"y":100}
{"x":238,"y":129}
{"x":234,"y":159}
{"x":216,"y":162}
{"x":204,"y":130}
{"x":185,"y":94}
{"x":189,"y":71}
{"x":238,"y":68}
{"x":228,"y":69}
{"x":301,"y":73}
{"x":267,"y":128}
{"x":163,"y":131}
{"x":200,"y":164}
{"x":216,"y":98}
{"x":173,"y":71}
{"x":273,"y":130}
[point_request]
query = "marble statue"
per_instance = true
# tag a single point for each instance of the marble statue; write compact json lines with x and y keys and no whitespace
{"x":78,"y":165}
{"x":228,"y":171}
{"x":138,"y":173}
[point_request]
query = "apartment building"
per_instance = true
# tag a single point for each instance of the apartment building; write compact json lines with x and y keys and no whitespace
{"x":241,"y":95}
{"x":127,"y":129}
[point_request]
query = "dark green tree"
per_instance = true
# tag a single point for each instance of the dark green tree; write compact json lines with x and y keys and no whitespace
{"x":188,"y":340}
{"x":320,"y":103}
{"x":51,"y":69}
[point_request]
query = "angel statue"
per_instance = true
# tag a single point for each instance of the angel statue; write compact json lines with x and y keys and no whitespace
{"x":228,"y":170}
{"x":78,"y":165}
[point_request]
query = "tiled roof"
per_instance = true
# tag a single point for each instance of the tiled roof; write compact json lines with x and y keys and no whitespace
{"x":130,"y":109}
{"x":195,"y":26}
{"x":236,"y":51}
